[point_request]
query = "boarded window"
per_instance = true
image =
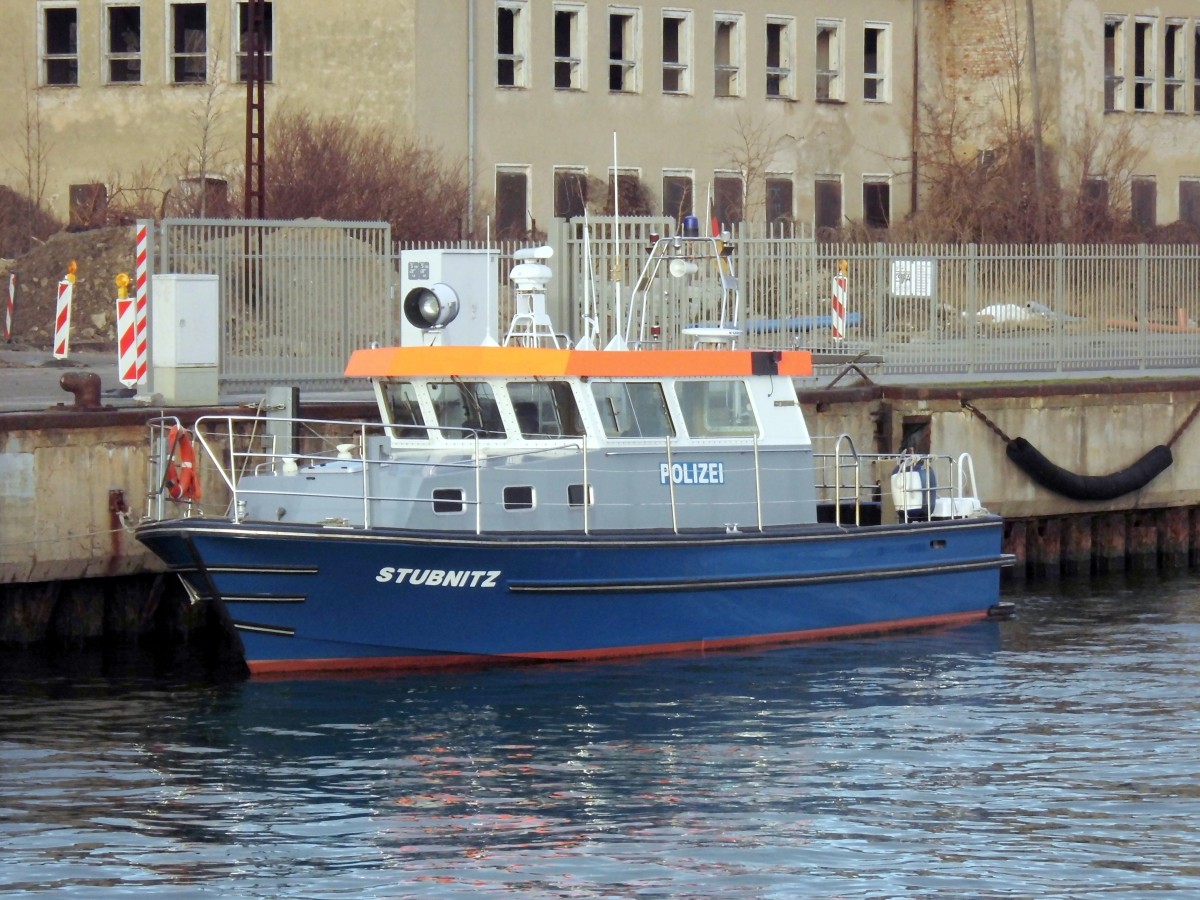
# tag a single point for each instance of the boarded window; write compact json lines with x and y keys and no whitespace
{"x":828,"y":196}
{"x":727,"y":199}
{"x":1189,"y":200}
{"x":1144,"y":202}
{"x":512,"y":193}
{"x":779,"y":199}
{"x":570,"y":193}
{"x":677,"y":197}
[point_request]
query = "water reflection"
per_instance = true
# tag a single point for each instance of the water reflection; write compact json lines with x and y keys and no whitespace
{"x":1041,"y":756}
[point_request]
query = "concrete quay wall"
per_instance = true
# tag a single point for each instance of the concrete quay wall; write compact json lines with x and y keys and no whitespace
{"x":70,"y":481}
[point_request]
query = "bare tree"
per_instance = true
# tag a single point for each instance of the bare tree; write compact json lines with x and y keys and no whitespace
{"x":752,"y":152}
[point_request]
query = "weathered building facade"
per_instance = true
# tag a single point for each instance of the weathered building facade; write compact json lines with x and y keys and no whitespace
{"x":772,"y":110}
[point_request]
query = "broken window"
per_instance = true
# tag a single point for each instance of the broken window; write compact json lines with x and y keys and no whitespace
{"x":568,"y":48}
{"x":123,"y":45}
{"x":622,"y":50}
{"x":1114,"y":64}
{"x":60,"y":45}
{"x":876,"y":63}
{"x":1143,"y":65}
{"x":677,"y":52}
{"x":780,"y":53}
{"x":727,"y":56}
{"x":189,"y":43}
{"x":829,"y":61}
{"x":877,"y":203}
{"x":1173,"y":67}
{"x":1189,"y":200}
{"x":268,"y":39}
{"x":512,"y":42}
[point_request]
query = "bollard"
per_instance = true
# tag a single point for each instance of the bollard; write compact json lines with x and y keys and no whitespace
{"x":86,"y":388}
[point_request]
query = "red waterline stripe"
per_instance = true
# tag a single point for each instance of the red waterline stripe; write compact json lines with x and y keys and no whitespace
{"x":350,"y":665}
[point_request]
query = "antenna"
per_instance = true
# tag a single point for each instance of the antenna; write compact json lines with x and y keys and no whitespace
{"x":618,"y":339}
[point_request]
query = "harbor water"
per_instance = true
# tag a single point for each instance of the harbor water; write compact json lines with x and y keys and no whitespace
{"x":1053,"y":755}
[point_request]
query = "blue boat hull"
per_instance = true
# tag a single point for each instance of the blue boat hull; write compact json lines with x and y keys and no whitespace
{"x":313,"y":599}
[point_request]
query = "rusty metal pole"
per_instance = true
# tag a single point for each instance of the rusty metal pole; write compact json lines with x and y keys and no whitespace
{"x":256,"y":138}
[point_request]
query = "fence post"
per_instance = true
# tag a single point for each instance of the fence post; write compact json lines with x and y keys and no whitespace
{"x":1143,"y":304}
{"x":972,"y":310}
{"x":1058,"y":303}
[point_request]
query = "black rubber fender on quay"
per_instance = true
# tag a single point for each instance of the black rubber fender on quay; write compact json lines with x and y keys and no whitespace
{"x":1088,"y":487}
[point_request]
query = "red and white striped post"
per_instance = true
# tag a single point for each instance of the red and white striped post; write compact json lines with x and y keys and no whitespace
{"x":62,"y":316}
{"x":838,"y":302}
{"x":8,"y":310}
{"x":126,"y":334}
{"x":141,"y":338}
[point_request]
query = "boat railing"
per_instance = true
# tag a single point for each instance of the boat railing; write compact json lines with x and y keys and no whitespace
{"x":855,"y":486}
{"x":913,"y":485}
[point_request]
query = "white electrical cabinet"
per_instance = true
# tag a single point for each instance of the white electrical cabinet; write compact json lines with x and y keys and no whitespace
{"x":185,"y":339}
{"x":469,"y":276}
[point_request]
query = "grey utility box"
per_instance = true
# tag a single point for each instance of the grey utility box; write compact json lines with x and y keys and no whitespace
{"x":185,"y":339}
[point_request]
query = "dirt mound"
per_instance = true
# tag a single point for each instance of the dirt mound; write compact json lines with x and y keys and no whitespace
{"x":100,"y":256}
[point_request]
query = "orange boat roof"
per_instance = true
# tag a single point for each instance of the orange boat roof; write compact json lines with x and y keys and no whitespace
{"x":482,"y":362}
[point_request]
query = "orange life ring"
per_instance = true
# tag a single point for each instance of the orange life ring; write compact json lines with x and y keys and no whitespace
{"x":183,"y":480}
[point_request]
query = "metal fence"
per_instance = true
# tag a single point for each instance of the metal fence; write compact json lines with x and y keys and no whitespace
{"x":955,"y":309}
{"x":296,"y":298}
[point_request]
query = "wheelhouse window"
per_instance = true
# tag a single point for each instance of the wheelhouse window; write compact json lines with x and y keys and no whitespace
{"x":623,"y":41}
{"x":545,"y":409}
{"x":403,"y":410}
{"x":268,"y":38}
{"x":677,"y":52}
{"x":633,"y":409}
{"x":60,"y":44}
{"x":727,"y":55}
{"x":123,"y":44}
{"x":716,"y":408}
{"x":466,"y":409}
{"x":512,"y":44}
{"x":189,"y":43}
{"x":830,"y":87}
{"x":568,"y":47}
